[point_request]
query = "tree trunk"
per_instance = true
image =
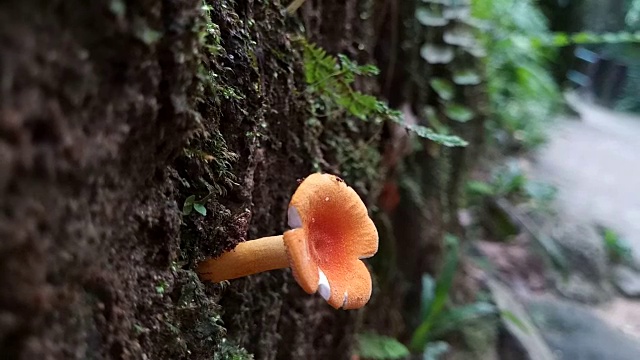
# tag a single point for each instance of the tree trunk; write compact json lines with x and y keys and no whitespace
{"x":112,"y":113}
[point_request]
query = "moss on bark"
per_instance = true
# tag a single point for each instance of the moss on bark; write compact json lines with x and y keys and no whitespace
{"x":112,"y":114}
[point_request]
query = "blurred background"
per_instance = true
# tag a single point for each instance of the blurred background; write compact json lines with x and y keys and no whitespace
{"x":496,"y":144}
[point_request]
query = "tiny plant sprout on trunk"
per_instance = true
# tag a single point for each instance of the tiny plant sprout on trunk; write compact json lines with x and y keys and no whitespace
{"x":330,"y":233}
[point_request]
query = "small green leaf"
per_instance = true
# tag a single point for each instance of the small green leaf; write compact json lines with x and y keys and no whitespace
{"x":458,"y":113}
{"x":460,"y":36}
{"x":427,"y":294}
{"x":443,"y":88}
{"x":187,"y":207}
{"x":421,"y":335}
{"x":466,"y":77}
{"x":118,"y":8}
{"x":510,"y":179}
{"x":442,"y":139}
{"x":161,"y":288}
{"x":200,"y":209}
{"x":358,"y":104}
{"x":476,"y":51}
{"x":437,"y":54}
{"x":617,"y":248}
{"x":145,"y":33}
{"x":455,"y":318}
{"x":508,"y":315}
{"x":368,"y":70}
{"x":139,"y":329}
{"x":584,"y":38}
{"x":376,"y":347}
{"x":457,"y":12}
{"x":561,"y":39}
{"x":428,"y":17}
{"x":479,"y":188}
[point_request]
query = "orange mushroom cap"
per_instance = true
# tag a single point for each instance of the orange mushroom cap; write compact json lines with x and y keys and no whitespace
{"x":331,"y":232}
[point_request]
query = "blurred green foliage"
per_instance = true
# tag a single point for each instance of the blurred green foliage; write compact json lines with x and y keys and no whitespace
{"x":330,"y":82}
{"x":510,"y":181}
{"x":617,"y":248}
{"x":377,"y":347}
{"x":523,"y":95}
{"x":438,"y":316}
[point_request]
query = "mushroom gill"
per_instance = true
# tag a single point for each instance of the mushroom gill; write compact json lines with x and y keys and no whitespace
{"x":333,"y":232}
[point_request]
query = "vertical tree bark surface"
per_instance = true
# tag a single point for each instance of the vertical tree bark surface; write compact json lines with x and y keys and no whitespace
{"x":112,"y":113}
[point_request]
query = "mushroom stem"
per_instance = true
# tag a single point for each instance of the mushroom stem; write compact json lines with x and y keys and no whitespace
{"x":249,"y":257}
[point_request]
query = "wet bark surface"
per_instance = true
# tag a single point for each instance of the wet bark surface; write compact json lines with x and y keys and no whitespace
{"x":112,"y":113}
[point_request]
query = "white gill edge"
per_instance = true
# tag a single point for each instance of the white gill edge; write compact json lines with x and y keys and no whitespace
{"x":324,"y":289}
{"x":293,"y":218}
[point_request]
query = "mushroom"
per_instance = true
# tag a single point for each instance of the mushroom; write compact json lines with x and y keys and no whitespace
{"x":330,"y":233}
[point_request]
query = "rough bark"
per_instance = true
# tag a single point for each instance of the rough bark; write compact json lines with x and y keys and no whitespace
{"x":112,"y":113}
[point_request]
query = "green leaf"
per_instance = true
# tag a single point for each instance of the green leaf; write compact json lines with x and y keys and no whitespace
{"x":561,"y":39}
{"x":161,"y":288}
{"x":368,"y":70}
{"x":442,"y":2}
{"x":457,"y":13}
{"x":358,"y":104}
{"x":510,"y":179}
{"x":422,"y":334}
{"x":429,"y":17}
{"x":442,"y":139}
{"x":437,"y":54}
{"x":476,"y":51}
{"x":479,"y":188}
{"x":443,"y":88}
{"x":584,"y":38}
{"x":319,"y":67}
{"x":511,"y":317}
{"x":427,"y":295}
{"x":466,"y":77}
{"x":617,"y":248}
{"x":455,"y":318}
{"x":460,"y":36}
{"x":187,"y":207}
{"x":200,"y":208}
{"x":118,"y":8}
{"x":458,"y":113}
{"x":350,"y":67}
{"x":376,"y":347}
{"x":425,"y":132}
{"x":146,"y":34}
{"x":329,"y":79}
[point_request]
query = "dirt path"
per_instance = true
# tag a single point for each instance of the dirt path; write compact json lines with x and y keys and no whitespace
{"x":594,"y":162}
